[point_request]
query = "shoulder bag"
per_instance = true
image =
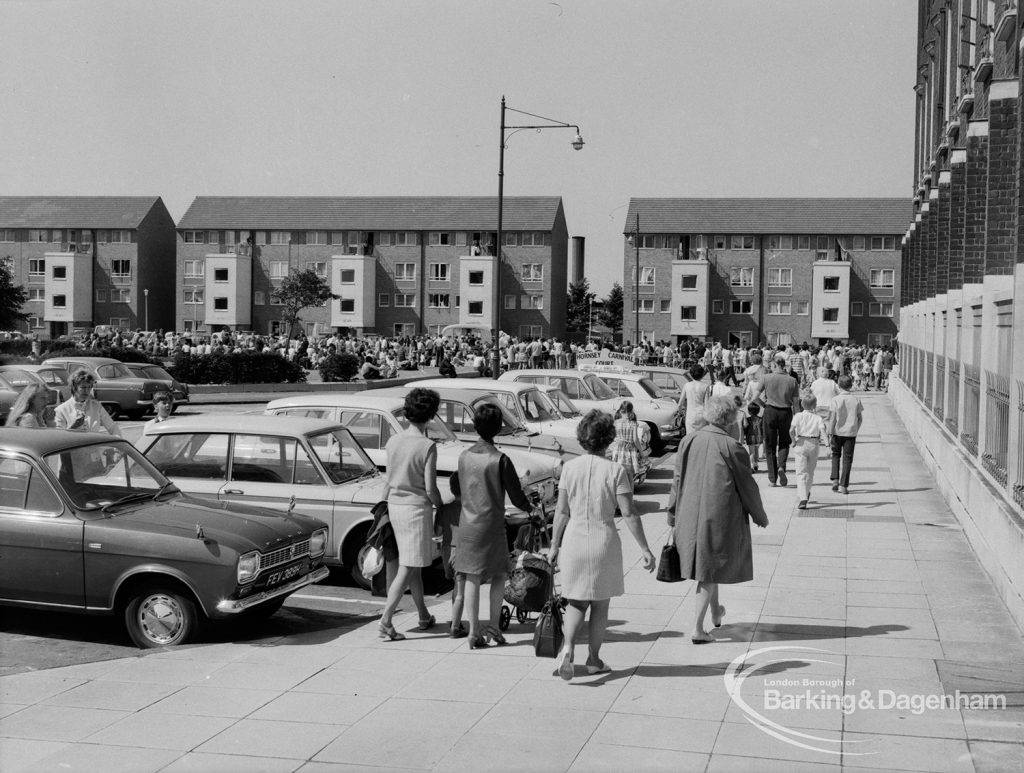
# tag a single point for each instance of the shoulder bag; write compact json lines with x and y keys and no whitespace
{"x":669,"y":569}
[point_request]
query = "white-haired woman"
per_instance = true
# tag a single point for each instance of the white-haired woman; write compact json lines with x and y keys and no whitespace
{"x":632,"y":444}
{"x":713,"y":495}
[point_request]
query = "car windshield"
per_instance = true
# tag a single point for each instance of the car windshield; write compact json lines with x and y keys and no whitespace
{"x":564,"y":405}
{"x":598,"y":387}
{"x":537,"y":406}
{"x":53,"y":376}
{"x":510,"y":423}
{"x":114,"y":370}
{"x":651,"y":388}
{"x":437,"y":430}
{"x":104,"y":473}
{"x":19,"y":379}
{"x":340,"y":455}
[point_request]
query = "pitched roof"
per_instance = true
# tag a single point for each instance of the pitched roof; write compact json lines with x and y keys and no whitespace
{"x":771,"y":216}
{"x":413,"y":213}
{"x":75,"y":211}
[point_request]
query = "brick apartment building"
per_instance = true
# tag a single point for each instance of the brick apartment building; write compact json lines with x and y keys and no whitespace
{"x":90,"y":260}
{"x":751,"y":270}
{"x":960,"y":390}
{"x":401,"y":265}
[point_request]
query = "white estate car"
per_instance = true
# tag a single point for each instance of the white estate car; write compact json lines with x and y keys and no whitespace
{"x":373,"y":418}
{"x":651,"y":405}
{"x":585,"y":389}
{"x":530,"y":404}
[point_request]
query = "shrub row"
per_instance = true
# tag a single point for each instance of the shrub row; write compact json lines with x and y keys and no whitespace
{"x":339,"y":367}
{"x":236,"y":368}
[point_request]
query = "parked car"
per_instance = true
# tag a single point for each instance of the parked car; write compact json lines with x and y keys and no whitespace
{"x":311,"y":466}
{"x":459,"y":405}
{"x":565,"y":406}
{"x":117,"y":388}
{"x":669,"y":380}
{"x":54,"y":376}
{"x":374,"y":418}
{"x":12,"y":380}
{"x":528,"y":402}
{"x":585,"y":389}
{"x":88,"y":524}
{"x":148,"y":370}
{"x":652,"y":406}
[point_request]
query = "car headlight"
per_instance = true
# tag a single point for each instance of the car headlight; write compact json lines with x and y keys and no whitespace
{"x":248,"y":567}
{"x":318,"y":542}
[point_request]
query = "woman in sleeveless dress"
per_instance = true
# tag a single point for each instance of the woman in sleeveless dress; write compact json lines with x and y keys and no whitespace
{"x":632,"y":444}
{"x":412,"y":495}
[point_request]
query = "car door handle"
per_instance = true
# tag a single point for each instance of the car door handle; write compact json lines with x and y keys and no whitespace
{"x":233,"y":491}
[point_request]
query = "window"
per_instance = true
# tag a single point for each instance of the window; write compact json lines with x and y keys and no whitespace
{"x":220,"y":275}
{"x":35,"y":322}
{"x":275,"y":300}
{"x":348,"y":305}
{"x":405,"y":300}
{"x":721,"y":242}
{"x":511,"y":239}
{"x":857,"y":309}
{"x":120,"y":269}
{"x":535,"y":238}
{"x":803,"y":242}
{"x":405,"y":329}
{"x":347,"y":276}
{"x":646,"y":305}
{"x":647,"y":274}
{"x":533,"y":272}
{"x":718,"y":306}
{"x":191,"y":237}
{"x":879,"y":339}
{"x":741,"y":242}
{"x":823,"y":248}
{"x":194,"y":295}
{"x":120,"y":237}
{"x":60,"y":301}
{"x":37,"y":294}
{"x":666,"y":306}
{"x":880,"y":309}
{"x":259,"y":298}
{"x":741,"y":307}
{"x":476,"y":278}
{"x":858,"y":242}
{"x":406,"y":239}
{"x":38,"y":236}
{"x":439,"y":300}
{"x":318,"y":267}
{"x":780,"y":277}
{"x":780,"y":308}
{"x":476,"y":308}
{"x":119,"y":322}
{"x":830,"y":314}
{"x":60,"y":272}
{"x":195,"y":268}
{"x":383,"y":300}
{"x":220,"y":304}
{"x":687,"y":312}
{"x":36,"y":267}
{"x":831,"y":284}
{"x":803,"y":308}
{"x":883,"y":242}
{"x":439,"y":238}
{"x":316,"y":237}
{"x":405,"y":272}
{"x":280,"y":237}
{"x":278,"y":269}
{"x":532,"y":302}
{"x":7,"y":235}
{"x":689,"y":281}
{"x":438,"y":272}
{"x":101,"y":236}
{"x":883,"y":277}
{"x":120,"y":295}
{"x":741,"y":277}
{"x":780,"y":242}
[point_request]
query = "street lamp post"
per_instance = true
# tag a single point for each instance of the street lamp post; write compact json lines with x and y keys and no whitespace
{"x":145,"y":293}
{"x":497,"y":300}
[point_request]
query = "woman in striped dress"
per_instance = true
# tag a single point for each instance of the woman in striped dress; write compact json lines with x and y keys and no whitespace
{"x":585,"y":543}
{"x":632,"y":443}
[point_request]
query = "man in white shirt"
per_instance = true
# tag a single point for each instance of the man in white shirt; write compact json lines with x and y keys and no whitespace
{"x":845,"y":415}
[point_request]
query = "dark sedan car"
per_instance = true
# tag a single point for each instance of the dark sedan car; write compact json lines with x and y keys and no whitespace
{"x":87,"y":524}
{"x":117,"y":388}
{"x":178,"y":390}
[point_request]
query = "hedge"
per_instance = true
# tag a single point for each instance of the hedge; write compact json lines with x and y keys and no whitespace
{"x":339,"y":367}
{"x":236,"y":368}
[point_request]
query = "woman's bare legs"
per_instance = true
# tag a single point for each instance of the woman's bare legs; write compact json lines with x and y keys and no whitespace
{"x":596,"y":631}
{"x":472,"y":605}
{"x":572,"y":620}
{"x":497,"y":597}
{"x":707,"y":595}
{"x":405,"y":576}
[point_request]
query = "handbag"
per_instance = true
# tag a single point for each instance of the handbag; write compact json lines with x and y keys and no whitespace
{"x":372,"y":563}
{"x":669,"y":569}
{"x":547,"y":633}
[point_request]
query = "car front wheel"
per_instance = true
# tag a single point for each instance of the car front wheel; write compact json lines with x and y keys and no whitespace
{"x":160,"y":616}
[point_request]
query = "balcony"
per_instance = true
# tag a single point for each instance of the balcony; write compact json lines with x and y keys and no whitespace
{"x":700,"y":253}
{"x":1008,"y":22}
{"x":983,"y":70}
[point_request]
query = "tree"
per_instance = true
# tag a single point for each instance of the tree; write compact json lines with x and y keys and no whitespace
{"x":611,"y":314}
{"x":577,"y":310}
{"x":12,"y":298}
{"x":301,"y":290}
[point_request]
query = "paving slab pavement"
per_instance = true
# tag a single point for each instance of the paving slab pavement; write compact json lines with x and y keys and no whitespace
{"x":865,"y":610}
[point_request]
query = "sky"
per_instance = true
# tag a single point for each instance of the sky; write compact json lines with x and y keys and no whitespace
{"x":674,"y":98}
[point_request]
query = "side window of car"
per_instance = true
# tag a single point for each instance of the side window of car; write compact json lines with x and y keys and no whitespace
{"x":22,"y":487}
{"x":262,"y":459}
{"x":304,"y":472}
{"x":198,"y":455}
{"x":573,"y":388}
{"x":365,"y":427}
{"x":105,"y":371}
{"x":305,"y":413}
{"x":529,"y":379}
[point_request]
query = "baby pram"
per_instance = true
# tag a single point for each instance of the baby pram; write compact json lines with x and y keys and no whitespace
{"x":530,"y":576}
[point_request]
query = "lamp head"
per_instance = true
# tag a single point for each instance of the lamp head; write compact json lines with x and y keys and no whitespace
{"x":577,"y":141}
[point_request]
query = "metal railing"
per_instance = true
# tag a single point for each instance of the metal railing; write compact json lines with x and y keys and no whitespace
{"x":929,"y":378}
{"x":953,"y":397}
{"x":972,"y":405}
{"x":997,"y":425}
{"x":1018,"y":486}
{"x":939,"y":404}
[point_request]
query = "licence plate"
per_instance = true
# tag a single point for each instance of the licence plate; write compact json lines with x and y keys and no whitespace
{"x":283,"y":574}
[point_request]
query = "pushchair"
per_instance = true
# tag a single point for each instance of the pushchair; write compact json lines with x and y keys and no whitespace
{"x":530,"y":576}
